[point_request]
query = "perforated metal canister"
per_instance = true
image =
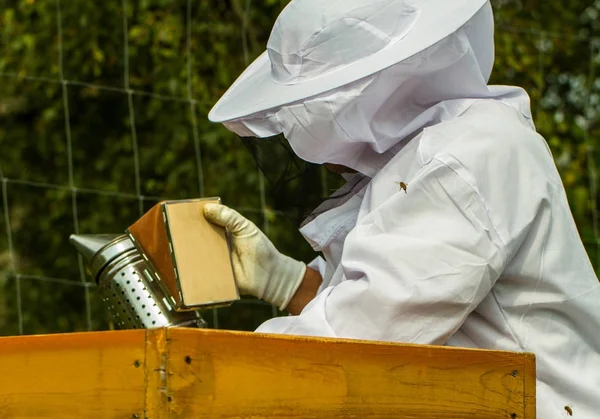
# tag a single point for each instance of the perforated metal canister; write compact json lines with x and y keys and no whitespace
{"x":134,"y":297}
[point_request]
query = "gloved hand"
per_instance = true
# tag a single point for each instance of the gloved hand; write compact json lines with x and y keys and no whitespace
{"x":260,"y":270}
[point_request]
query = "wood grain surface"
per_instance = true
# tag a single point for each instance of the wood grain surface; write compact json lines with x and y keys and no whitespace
{"x":89,"y":375}
{"x":189,"y":373}
{"x":231,"y":375}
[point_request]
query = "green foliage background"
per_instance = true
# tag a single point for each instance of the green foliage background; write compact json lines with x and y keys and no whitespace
{"x":83,"y":148}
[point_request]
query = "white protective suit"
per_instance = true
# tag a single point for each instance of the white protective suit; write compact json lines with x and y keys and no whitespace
{"x":480,"y":251}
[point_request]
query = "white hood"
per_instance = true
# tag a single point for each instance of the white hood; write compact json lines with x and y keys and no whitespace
{"x":363,"y":124}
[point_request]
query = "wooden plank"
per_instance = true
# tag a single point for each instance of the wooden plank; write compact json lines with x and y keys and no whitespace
{"x":185,"y":373}
{"x":529,"y":398}
{"x":156,"y":397}
{"x":80,"y":375}
{"x":216,"y":374}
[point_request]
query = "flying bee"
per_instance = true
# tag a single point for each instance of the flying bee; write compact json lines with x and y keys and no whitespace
{"x":569,"y":410}
{"x":403,"y":186}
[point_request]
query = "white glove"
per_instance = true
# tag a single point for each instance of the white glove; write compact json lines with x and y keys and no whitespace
{"x":260,"y":270}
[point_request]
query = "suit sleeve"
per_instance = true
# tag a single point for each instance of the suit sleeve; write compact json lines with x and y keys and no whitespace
{"x":414,"y":268}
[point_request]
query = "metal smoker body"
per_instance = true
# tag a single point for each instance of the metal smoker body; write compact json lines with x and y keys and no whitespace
{"x":133,"y":296}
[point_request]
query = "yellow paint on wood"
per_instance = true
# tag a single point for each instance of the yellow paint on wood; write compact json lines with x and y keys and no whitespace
{"x":530,"y":383}
{"x":230,"y":374}
{"x":156,"y":397}
{"x":188,"y":373}
{"x":81,"y":375}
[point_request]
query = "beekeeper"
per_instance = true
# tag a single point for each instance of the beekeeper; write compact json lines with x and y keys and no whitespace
{"x":456,"y":228}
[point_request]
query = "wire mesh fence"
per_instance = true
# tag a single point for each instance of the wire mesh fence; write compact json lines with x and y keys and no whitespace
{"x":103,"y":113}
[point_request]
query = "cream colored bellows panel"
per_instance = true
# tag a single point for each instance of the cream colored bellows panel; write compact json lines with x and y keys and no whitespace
{"x":187,"y":254}
{"x":200,"y":254}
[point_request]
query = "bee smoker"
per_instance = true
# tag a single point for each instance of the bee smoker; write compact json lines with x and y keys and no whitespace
{"x":131,"y":292}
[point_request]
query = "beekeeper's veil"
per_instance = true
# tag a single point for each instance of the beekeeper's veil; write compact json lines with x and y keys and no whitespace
{"x":348,"y":82}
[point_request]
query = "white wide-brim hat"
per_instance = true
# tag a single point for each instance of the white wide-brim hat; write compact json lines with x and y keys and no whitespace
{"x":363,"y":37}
